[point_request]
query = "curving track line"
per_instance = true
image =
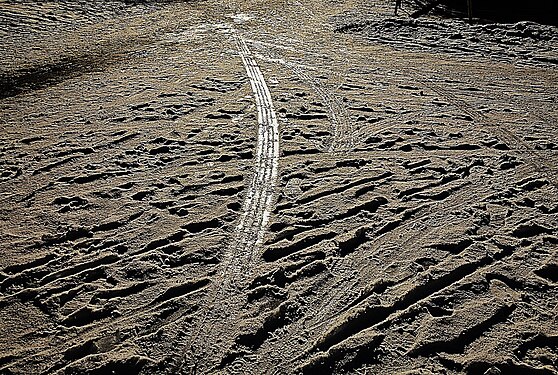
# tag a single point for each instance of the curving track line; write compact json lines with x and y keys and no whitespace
{"x":209,"y":339}
{"x":258,"y":201}
{"x":343,"y":132}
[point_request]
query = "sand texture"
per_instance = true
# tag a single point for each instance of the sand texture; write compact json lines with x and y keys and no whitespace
{"x":275,"y":187}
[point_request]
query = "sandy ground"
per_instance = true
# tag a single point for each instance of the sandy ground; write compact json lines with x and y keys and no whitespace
{"x":275,"y":187}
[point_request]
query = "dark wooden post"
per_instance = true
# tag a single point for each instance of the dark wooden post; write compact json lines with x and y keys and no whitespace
{"x":470,"y":10}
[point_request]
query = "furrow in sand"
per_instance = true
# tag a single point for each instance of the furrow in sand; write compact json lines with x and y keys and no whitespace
{"x":223,"y":305}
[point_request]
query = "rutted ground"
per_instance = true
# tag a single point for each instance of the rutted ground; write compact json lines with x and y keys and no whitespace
{"x":243,"y":188}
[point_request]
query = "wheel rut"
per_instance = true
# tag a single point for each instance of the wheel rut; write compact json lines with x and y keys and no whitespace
{"x":226,"y":298}
{"x":150,"y":226}
{"x":343,"y":132}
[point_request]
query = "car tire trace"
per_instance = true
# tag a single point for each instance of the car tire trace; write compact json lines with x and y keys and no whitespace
{"x":224,"y":299}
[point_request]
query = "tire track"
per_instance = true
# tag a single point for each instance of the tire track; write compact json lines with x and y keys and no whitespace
{"x":226,"y":298}
{"x":343,"y":132}
{"x":333,"y":302}
{"x":372,"y":318}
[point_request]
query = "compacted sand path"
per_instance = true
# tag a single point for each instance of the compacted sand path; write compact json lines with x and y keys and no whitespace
{"x":279,"y":187}
{"x":242,"y":258}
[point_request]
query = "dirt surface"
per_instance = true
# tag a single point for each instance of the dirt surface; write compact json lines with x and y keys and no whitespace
{"x":275,"y":187}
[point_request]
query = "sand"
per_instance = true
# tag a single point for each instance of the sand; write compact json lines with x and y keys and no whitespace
{"x":276,"y":187}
